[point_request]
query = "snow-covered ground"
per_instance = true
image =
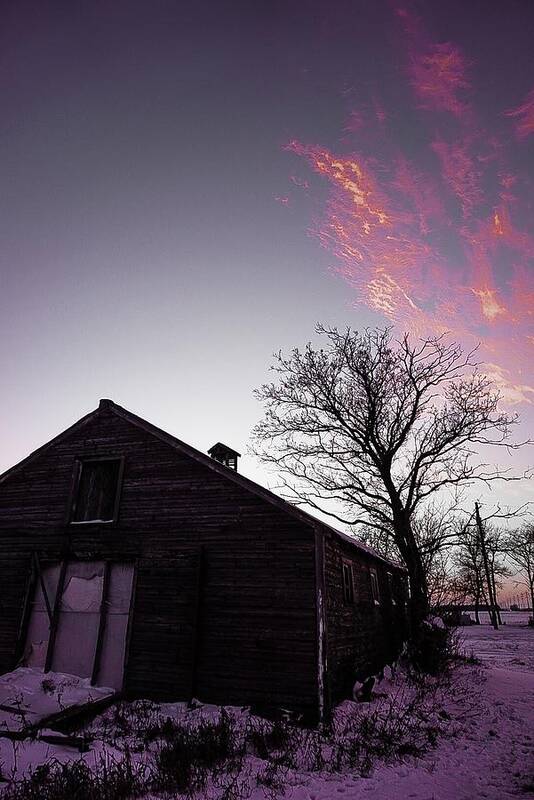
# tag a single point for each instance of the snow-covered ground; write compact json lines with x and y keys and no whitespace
{"x":484,"y":746}
{"x":510,"y":647}
{"x":508,"y":617}
{"x":490,"y":752}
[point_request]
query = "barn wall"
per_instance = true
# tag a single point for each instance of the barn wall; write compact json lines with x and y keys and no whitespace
{"x":225,"y":581}
{"x":361,"y":637}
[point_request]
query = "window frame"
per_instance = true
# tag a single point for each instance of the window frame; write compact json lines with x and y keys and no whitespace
{"x":75,"y":487}
{"x":391,"y":587}
{"x":347,"y":586}
{"x":375,"y":586}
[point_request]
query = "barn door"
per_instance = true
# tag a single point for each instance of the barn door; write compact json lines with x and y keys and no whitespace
{"x":79,"y":619}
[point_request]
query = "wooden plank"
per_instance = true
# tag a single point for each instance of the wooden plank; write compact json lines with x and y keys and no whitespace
{"x":74,"y":481}
{"x":43,"y":586}
{"x":25,"y":615}
{"x":198,"y":621}
{"x":55,"y":616}
{"x":101,"y":622}
{"x":323,"y":693}
{"x":130,"y":620}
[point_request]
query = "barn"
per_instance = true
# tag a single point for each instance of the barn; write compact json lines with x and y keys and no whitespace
{"x":133,"y":559}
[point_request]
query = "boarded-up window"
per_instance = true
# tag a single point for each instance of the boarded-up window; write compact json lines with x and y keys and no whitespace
{"x":90,"y":622}
{"x":97,"y":492}
{"x":348,"y":584}
{"x":374,"y":586}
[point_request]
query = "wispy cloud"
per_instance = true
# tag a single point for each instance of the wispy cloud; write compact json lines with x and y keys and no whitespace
{"x":439,"y":78}
{"x":437,"y":240}
{"x":524,"y":116}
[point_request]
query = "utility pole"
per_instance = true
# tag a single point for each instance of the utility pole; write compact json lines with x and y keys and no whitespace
{"x":492,"y":602}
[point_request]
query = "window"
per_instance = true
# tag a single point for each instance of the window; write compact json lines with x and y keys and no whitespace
{"x":391,"y":587}
{"x":374,"y":586}
{"x":96,"y":498}
{"x":348,"y":584}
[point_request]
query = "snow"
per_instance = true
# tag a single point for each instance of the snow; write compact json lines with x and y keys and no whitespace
{"x":508,"y":617}
{"x":488,"y":756}
{"x":436,"y":622}
{"x":491,"y":752}
{"x":485,"y":748}
{"x":511,"y":648}
{"x":27,"y":696}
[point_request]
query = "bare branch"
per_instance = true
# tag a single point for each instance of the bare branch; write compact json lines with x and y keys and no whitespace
{"x":381,"y":426}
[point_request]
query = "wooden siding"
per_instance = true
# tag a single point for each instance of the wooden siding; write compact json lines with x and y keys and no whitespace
{"x":361,"y":637}
{"x":239,"y":628}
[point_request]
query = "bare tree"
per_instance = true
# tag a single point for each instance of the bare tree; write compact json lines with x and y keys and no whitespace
{"x":520,"y":549}
{"x":495,"y":544}
{"x":379,"y":426}
{"x":470,"y":588}
{"x":469,"y":566}
{"x":436,"y":532}
{"x":479,"y":564}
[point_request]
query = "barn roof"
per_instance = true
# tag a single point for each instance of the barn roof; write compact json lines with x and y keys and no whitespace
{"x":207,"y":461}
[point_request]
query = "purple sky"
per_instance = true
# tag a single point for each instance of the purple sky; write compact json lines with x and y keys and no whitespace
{"x":159,"y":240}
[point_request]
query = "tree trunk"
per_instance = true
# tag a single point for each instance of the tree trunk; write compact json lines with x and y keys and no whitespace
{"x":494,"y":588}
{"x":407,"y":546}
{"x":491,"y":600}
{"x":477,"y":608}
{"x":530,"y":583}
{"x":419,"y":605}
{"x":497,"y":608}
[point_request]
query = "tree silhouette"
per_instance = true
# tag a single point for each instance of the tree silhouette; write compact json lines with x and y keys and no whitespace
{"x":380,"y":427}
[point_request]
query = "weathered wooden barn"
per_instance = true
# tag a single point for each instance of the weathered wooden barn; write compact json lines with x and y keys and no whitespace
{"x":129,"y":557}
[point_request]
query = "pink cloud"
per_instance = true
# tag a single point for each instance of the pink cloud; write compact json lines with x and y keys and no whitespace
{"x":421,"y":192}
{"x":461,"y":173}
{"x":397,"y":239}
{"x":524,"y":116}
{"x":438,"y":76}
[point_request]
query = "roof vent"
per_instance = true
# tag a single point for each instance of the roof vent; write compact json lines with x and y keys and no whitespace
{"x":224,"y":455}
